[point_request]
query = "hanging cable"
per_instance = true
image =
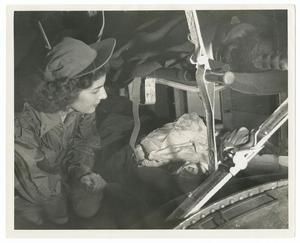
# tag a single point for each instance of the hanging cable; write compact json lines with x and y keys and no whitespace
{"x":102,"y":28}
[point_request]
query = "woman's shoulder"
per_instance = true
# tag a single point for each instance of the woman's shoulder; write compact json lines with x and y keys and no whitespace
{"x":28,"y":118}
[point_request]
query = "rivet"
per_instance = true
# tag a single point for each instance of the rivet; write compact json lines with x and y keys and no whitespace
{"x":241,"y":198}
{"x":250,"y":194}
{"x":222,"y":206}
{"x":212,"y":211}
{"x":232,"y":201}
{"x":203,"y":216}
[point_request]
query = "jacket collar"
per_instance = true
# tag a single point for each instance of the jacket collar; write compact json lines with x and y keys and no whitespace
{"x":49,"y":121}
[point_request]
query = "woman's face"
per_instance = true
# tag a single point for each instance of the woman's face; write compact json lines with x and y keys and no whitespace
{"x":89,"y":98}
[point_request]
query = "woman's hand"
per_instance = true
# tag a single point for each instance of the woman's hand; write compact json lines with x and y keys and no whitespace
{"x":93,"y":182}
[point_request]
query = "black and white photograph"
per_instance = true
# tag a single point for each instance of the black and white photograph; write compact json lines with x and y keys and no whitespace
{"x":151,"y":119}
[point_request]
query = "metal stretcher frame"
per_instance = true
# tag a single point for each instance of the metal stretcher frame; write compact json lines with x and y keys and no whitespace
{"x":201,"y":195}
{"x":219,"y":177}
{"x":206,"y":87}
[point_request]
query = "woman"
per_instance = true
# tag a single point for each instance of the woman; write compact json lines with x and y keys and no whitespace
{"x":55,"y":136}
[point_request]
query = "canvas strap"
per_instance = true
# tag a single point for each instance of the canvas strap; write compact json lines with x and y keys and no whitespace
{"x":135,"y":88}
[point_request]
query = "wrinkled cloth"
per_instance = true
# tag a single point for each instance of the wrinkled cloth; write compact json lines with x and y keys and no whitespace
{"x":183,"y":140}
{"x":51,"y":154}
{"x":162,"y":44}
{"x":252,"y":42}
{"x":235,"y":138}
{"x":232,"y":141}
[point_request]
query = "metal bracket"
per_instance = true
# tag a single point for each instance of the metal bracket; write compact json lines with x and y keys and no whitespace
{"x":206,"y":90}
{"x":201,"y":195}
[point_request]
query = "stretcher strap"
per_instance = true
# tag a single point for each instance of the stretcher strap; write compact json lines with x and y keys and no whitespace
{"x":135,"y":98}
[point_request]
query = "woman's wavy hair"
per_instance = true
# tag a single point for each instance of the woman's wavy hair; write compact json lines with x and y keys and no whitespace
{"x":54,"y":96}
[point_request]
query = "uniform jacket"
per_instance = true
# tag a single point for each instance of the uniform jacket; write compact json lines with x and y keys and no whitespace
{"x":50,"y":152}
